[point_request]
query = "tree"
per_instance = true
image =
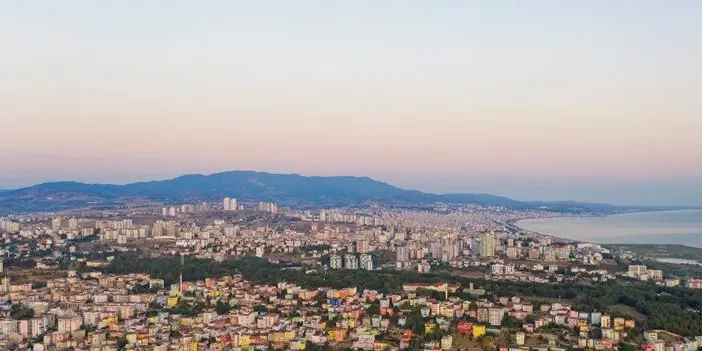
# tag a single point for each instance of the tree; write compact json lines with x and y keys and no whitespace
{"x":19,"y":311}
{"x":487,"y":342}
{"x":373,"y":309}
{"x":222,"y":307}
{"x":511,"y":322}
{"x":260,"y":309}
{"x":122,"y":343}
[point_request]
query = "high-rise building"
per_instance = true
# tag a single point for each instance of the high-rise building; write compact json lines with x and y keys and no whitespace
{"x":229,"y":204}
{"x":126,"y":223}
{"x":486,"y":244}
{"x":322,"y":216}
{"x":435,"y":249}
{"x":366,"y":262}
{"x":351,"y":261}
{"x":10,"y":226}
{"x":362,"y":246}
{"x":2,"y":266}
{"x":402,"y":253}
{"x":268,"y":207}
{"x":188,"y":208}
{"x":56,"y":223}
{"x":72,"y":223}
{"x":335,"y":261}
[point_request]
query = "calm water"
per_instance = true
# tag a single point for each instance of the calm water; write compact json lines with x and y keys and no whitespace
{"x":669,"y":227}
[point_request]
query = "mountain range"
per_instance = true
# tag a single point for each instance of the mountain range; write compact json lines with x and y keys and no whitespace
{"x":286,"y":189}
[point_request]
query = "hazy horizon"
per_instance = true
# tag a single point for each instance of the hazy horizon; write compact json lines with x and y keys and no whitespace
{"x":538,"y":191}
{"x":594,"y":101}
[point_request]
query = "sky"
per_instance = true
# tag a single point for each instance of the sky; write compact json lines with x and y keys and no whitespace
{"x":537,"y":100}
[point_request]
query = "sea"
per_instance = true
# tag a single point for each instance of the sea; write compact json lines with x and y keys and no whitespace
{"x":661,"y":227}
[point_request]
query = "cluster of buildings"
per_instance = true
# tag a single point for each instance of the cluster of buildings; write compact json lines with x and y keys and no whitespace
{"x":173,"y":211}
{"x":418,"y":240}
{"x":642,"y":273}
{"x":229,"y":204}
{"x":106,"y":312}
{"x":351,"y":261}
{"x":340,"y":216}
{"x":268,"y":207}
{"x":93,"y":311}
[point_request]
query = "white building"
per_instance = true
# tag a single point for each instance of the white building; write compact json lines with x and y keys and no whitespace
{"x":402,"y":253}
{"x":636,"y":270}
{"x":69,"y":324}
{"x":229,"y":204}
{"x":268,"y":207}
{"x":56,"y":223}
{"x":486,"y":244}
{"x":351,"y":262}
{"x":335,"y":261}
{"x":366,"y":262}
{"x":495,"y":316}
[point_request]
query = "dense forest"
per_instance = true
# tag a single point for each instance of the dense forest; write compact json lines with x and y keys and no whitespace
{"x":673,"y":309}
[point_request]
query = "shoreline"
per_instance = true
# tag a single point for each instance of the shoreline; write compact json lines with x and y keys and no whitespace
{"x":514,"y":223}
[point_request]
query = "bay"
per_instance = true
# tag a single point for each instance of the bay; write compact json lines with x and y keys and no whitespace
{"x":663,"y":227}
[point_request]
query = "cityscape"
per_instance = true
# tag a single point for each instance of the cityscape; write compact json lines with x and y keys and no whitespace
{"x":232,"y":275}
{"x":351,"y":175}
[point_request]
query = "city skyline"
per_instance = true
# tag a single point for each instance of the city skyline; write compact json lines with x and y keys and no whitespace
{"x":594,"y":101}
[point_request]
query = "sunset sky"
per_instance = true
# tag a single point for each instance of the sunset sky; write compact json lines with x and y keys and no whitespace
{"x":536,"y":100}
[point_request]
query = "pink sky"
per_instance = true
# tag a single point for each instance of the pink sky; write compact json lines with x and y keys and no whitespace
{"x":595,"y":93}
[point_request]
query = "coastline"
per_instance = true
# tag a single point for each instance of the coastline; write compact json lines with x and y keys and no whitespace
{"x":515,"y":224}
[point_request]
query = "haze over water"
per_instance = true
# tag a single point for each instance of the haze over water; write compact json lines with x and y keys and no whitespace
{"x":668,"y":227}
